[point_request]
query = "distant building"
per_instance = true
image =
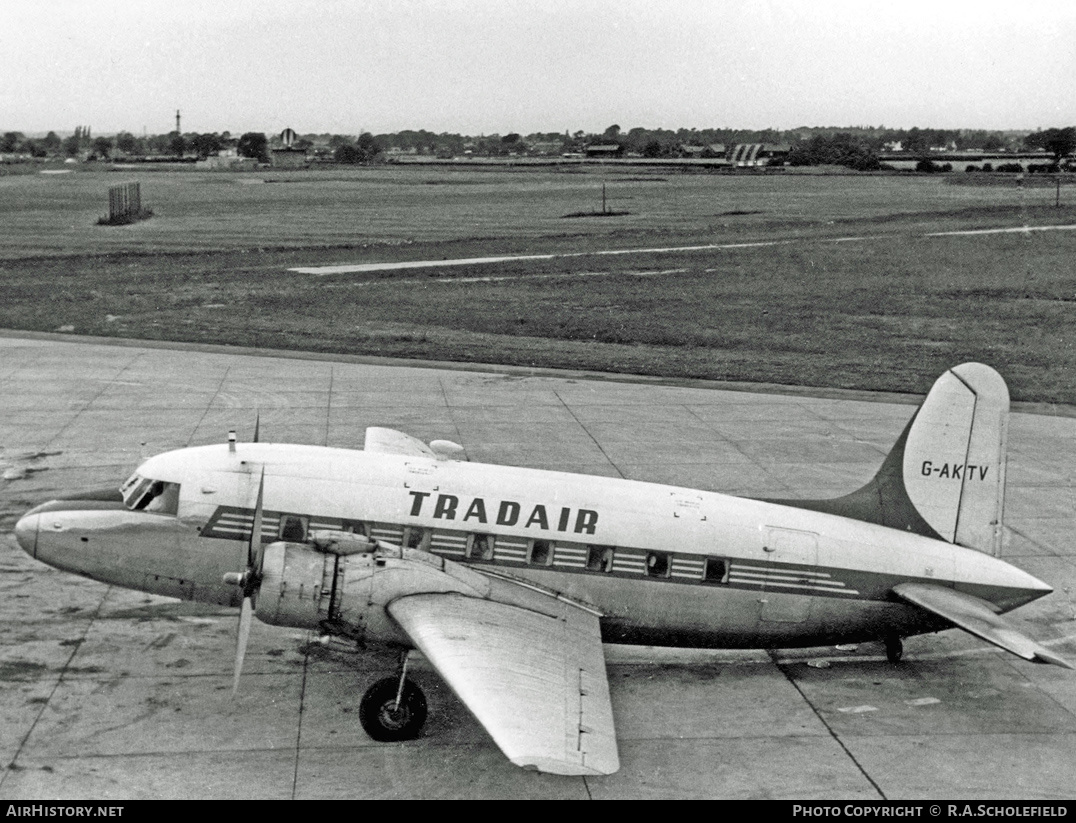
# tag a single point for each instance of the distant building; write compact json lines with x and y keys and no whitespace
{"x":603,"y":150}
{"x":758,"y":154}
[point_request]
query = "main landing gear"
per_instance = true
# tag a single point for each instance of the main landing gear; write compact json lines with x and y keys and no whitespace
{"x":394,"y":708}
{"x":894,"y":647}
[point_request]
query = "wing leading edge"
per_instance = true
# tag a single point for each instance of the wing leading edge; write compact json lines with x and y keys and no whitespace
{"x":977,"y":617}
{"x":536,"y":682}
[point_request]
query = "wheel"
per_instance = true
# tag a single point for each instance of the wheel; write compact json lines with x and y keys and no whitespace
{"x":894,"y":648}
{"x":385,"y":721}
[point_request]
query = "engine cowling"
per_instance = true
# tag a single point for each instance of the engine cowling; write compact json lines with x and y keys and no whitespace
{"x":346,"y":594}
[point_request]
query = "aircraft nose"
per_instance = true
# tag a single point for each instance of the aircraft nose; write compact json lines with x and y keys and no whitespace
{"x":26,"y":533}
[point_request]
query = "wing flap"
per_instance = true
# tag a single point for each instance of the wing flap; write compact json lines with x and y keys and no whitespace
{"x":978,"y":617}
{"x":536,"y":682}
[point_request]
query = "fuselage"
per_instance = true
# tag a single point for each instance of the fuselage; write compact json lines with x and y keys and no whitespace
{"x":663,"y":565}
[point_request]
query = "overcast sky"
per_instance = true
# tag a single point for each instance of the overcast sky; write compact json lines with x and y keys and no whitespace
{"x":499,"y":66}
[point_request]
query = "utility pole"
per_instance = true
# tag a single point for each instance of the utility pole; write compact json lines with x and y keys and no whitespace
{"x":177,"y":122}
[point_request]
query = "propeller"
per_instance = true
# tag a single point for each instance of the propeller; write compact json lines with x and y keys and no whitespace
{"x":249,"y":580}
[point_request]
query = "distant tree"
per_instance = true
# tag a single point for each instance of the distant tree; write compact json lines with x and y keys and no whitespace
{"x":206,"y":144}
{"x":254,"y":144}
{"x":127,"y":143}
{"x":177,"y":144}
{"x":52,"y":142}
{"x":653,"y":148}
{"x":840,"y":149}
{"x":158,"y":143}
{"x":611,"y":133}
{"x":1059,"y":142}
{"x":73,"y":145}
{"x":11,"y":141}
{"x":368,"y":147}
{"x":365,"y":150}
{"x":346,"y":153}
{"x":102,"y":148}
{"x":916,"y":141}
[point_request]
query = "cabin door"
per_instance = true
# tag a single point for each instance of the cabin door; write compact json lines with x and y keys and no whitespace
{"x":791,"y":557}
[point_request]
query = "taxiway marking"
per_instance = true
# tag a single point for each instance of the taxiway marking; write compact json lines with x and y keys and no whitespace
{"x":360,"y":268}
{"x":476,"y":261}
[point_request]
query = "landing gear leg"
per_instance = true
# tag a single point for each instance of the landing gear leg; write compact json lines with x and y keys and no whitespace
{"x":394,"y":708}
{"x":894,"y":648}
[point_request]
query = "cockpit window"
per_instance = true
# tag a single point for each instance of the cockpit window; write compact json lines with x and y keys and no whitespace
{"x":144,"y":494}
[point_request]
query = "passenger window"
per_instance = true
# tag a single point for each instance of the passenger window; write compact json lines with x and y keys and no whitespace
{"x":355,"y":526}
{"x":481,"y":547}
{"x":657,"y":564}
{"x":292,"y":528}
{"x":717,"y":570}
{"x":541,"y":553}
{"x":416,"y":538}
{"x":599,"y":558}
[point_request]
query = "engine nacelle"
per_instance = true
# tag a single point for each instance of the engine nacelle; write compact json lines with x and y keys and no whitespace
{"x":346,"y":594}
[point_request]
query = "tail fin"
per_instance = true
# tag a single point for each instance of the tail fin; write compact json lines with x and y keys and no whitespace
{"x":945,"y":476}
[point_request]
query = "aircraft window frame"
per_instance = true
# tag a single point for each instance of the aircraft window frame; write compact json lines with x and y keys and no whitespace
{"x":480,"y":546}
{"x":658,"y":564}
{"x":355,"y":527}
{"x":424,"y":538}
{"x":166,"y":501}
{"x":290,"y":519}
{"x":715,"y":580}
{"x":154,"y":496}
{"x":547,"y":546}
{"x":600,"y":558}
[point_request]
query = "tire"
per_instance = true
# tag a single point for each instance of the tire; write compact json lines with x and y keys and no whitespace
{"x":383,"y":723}
{"x":894,"y":648}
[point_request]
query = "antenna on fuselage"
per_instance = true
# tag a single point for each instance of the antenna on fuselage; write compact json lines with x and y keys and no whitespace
{"x":257,"y":425}
{"x":231,"y":441}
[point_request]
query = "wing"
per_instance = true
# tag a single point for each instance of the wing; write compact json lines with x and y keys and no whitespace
{"x":977,"y":617}
{"x":536,"y":683}
{"x":390,"y":441}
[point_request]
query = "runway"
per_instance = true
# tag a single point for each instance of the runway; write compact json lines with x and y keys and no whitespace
{"x":112,"y":694}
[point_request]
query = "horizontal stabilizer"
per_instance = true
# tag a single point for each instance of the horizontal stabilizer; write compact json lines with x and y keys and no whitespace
{"x":977,"y":617}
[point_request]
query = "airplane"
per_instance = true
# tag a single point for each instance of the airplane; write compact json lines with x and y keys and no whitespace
{"x":509,"y":580}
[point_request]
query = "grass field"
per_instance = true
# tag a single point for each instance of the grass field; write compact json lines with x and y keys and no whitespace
{"x":852,"y":294}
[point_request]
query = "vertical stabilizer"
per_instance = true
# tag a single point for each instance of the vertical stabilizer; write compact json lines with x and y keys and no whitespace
{"x":954,"y":458}
{"x":945,"y":476}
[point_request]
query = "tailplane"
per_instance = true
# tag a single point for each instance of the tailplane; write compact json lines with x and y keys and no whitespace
{"x":945,"y":476}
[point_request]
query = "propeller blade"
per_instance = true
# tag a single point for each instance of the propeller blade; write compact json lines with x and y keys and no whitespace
{"x":255,"y":546}
{"x":245,"y":618}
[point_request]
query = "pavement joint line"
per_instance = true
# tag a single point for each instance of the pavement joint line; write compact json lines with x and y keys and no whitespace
{"x":583,"y":426}
{"x":209,"y":405}
{"x":788,"y":676}
{"x":75,"y":648}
